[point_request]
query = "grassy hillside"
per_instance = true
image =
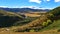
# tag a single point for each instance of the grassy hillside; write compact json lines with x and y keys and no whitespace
{"x":54,"y":14}
{"x":54,"y":25}
{"x":56,"y":19}
{"x":8,"y":18}
{"x":55,"y":11}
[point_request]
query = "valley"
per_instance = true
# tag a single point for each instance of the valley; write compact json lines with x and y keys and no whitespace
{"x":36,"y":22}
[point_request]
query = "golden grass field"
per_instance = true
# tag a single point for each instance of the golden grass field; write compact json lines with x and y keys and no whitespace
{"x":32,"y":15}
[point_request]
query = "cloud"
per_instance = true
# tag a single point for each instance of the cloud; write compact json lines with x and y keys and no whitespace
{"x":36,"y":1}
{"x":10,"y":6}
{"x":34,"y":7}
{"x":4,"y":6}
{"x":28,"y":7}
{"x":57,"y":0}
{"x":46,"y":0}
{"x":14,"y":6}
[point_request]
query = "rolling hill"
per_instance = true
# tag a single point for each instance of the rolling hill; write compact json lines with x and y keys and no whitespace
{"x":8,"y":18}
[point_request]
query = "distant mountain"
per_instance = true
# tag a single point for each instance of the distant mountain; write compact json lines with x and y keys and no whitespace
{"x":24,"y":9}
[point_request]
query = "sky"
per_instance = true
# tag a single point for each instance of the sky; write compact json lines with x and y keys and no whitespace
{"x":30,"y":3}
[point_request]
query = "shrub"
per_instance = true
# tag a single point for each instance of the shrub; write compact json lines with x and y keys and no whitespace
{"x":58,"y":30}
{"x":32,"y":30}
{"x":49,"y":21}
{"x":45,"y":24}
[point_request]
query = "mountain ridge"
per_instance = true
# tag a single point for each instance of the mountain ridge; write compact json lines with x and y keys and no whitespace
{"x":24,"y":9}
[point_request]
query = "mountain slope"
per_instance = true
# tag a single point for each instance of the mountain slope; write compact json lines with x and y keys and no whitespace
{"x":8,"y":18}
{"x":55,"y":18}
{"x":55,"y":11}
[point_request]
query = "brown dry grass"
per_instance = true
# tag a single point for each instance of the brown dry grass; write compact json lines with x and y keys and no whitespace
{"x":32,"y":15}
{"x":44,"y":32}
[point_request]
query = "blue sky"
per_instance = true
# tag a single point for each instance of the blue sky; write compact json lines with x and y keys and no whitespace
{"x":30,"y":3}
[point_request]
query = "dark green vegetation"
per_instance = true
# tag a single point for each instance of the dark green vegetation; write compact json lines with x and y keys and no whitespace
{"x":24,"y":21}
{"x":8,"y":18}
{"x":55,"y":11}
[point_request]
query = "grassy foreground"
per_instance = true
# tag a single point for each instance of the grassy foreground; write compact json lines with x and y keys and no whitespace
{"x":54,"y":25}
